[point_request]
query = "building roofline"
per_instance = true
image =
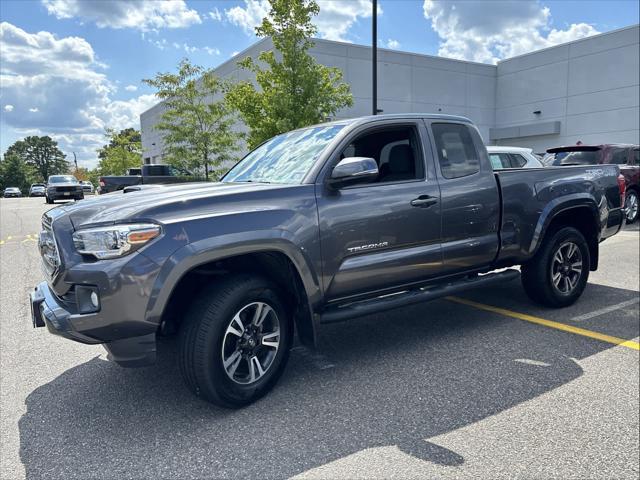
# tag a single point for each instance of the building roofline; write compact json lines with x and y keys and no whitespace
{"x":405,"y":52}
{"x":578,"y":40}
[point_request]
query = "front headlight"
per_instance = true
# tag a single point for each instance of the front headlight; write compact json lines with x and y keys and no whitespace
{"x":114,"y":241}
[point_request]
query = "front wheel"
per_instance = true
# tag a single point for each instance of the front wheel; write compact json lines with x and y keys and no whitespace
{"x":235,"y":341}
{"x":631,"y":206}
{"x":558,"y":274}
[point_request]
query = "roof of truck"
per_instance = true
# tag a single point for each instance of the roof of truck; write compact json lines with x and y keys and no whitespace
{"x":392,"y":116}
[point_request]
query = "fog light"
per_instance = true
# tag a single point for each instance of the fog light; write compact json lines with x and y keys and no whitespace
{"x":94,"y":299}
{"x":87,"y":298}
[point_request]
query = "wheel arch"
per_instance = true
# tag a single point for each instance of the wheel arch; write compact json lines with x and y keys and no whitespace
{"x":583,"y":216}
{"x":185,"y":278}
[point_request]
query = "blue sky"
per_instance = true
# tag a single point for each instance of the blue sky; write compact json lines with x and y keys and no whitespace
{"x":71,"y":68}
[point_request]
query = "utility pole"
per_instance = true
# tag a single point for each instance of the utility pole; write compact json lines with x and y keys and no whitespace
{"x":75,"y":160}
{"x":374,"y":54}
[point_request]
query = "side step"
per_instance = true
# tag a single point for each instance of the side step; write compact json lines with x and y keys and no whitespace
{"x":418,"y":295}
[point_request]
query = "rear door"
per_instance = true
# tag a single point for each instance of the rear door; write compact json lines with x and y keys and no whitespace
{"x":469,"y":197}
{"x":386,"y":233}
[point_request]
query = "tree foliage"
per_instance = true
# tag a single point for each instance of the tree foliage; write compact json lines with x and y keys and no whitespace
{"x":295,"y":91}
{"x":41,"y":154}
{"x":197,"y":128}
{"x":123,"y":151}
{"x":14,"y":172}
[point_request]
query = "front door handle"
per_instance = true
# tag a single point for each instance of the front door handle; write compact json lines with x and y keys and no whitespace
{"x":424,"y":201}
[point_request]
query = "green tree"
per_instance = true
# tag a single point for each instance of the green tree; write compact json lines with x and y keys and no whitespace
{"x":14,"y":172}
{"x":198,"y":130}
{"x":295,"y":91}
{"x":123,"y":151}
{"x":42,"y":154}
{"x":130,"y":135}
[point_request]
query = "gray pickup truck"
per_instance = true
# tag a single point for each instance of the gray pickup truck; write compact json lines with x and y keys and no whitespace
{"x":317,"y":225}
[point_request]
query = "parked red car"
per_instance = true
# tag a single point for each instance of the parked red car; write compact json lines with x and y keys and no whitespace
{"x":626,"y":156}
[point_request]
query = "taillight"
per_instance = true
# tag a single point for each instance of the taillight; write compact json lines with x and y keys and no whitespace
{"x":622,"y":187}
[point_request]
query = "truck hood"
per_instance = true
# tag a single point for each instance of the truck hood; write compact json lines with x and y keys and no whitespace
{"x":165,"y":203}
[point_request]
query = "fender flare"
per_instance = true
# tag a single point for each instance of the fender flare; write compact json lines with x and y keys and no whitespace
{"x":220,"y":247}
{"x":561,"y":205}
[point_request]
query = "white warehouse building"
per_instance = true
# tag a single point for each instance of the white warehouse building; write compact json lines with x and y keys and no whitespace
{"x":587,"y":90}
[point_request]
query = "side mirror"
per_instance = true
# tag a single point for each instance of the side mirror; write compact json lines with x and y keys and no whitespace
{"x":352,"y":170}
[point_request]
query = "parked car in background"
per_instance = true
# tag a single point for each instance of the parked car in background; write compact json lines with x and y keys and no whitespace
{"x":37,"y":190}
{"x":63,"y":187}
{"x":315,"y":226}
{"x":12,"y":192}
{"x":87,"y":187}
{"x":148,"y":174}
{"x":512,"y":157}
{"x":626,"y":156}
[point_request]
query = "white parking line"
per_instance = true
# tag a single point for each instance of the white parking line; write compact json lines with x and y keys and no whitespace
{"x":602,"y":311}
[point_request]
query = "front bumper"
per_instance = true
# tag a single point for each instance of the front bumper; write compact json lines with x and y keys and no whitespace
{"x":60,"y":319}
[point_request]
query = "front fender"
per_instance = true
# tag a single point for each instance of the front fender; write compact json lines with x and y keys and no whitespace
{"x":220,"y":247}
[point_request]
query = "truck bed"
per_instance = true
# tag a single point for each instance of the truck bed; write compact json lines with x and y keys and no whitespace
{"x":530,"y":197}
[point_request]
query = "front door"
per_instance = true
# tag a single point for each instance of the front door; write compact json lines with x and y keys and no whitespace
{"x":386,"y":233}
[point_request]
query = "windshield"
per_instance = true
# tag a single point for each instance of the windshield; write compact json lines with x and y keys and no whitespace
{"x":286,"y":158}
{"x":11,"y":189}
{"x":63,"y":179}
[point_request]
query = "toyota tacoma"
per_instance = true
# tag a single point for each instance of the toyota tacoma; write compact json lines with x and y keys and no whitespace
{"x":318,"y":225}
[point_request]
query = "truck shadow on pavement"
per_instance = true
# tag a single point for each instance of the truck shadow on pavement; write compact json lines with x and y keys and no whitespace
{"x":398,"y":379}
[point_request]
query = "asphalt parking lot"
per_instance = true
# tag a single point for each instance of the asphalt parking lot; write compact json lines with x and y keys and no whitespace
{"x":485,"y":386}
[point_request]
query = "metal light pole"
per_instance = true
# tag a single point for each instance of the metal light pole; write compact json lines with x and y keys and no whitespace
{"x":374,"y":54}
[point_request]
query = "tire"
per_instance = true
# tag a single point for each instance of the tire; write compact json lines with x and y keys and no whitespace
{"x":48,"y":200}
{"x":540,"y":274}
{"x":632,"y":206}
{"x":207,"y":339}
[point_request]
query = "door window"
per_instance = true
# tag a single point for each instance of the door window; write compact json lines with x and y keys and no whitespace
{"x":396,"y":150}
{"x":456,"y":151}
{"x":500,"y":160}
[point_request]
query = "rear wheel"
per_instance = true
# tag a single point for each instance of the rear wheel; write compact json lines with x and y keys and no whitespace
{"x":558,"y":274}
{"x":235,"y":341}
{"x":631,"y":206}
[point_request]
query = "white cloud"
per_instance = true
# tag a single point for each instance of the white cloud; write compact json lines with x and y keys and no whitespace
{"x":138,"y":14}
{"x":491,"y":30}
{"x":334,"y":20}
{"x":216,"y":15}
{"x":8,"y":108}
{"x":212,"y":51}
{"x":185,"y":46}
{"x":393,"y":44}
{"x":131,"y":88}
{"x":57,"y":87}
{"x":234,"y":53}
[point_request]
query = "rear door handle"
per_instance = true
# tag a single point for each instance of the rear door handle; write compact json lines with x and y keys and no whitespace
{"x":424,"y":201}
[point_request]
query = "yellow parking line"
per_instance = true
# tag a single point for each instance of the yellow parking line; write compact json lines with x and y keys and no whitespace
{"x":548,"y":323}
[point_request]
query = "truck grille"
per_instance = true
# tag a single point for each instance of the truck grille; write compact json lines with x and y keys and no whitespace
{"x":66,"y":189}
{"x":48,"y":248}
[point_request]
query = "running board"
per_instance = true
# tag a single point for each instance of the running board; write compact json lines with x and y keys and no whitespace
{"x":410,"y":297}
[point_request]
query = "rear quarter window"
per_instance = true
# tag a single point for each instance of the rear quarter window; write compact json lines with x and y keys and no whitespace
{"x":456,"y":151}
